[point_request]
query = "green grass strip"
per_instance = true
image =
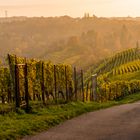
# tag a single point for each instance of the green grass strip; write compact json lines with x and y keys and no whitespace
{"x":15,"y":126}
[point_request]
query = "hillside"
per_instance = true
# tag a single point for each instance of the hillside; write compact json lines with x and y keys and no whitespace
{"x":66,"y":39}
{"x":124,"y":65}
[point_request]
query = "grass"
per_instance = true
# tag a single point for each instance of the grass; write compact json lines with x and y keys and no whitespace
{"x":5,"y":108}
{"x":15,"y":126}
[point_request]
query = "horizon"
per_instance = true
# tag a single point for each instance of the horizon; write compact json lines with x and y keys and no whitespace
{"x":36,"y":8}
{"x":90,"y":16}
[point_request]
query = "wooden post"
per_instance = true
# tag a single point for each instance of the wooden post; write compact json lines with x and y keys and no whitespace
{"x":17,"y":96}
{"x":9,"y":91}
{"x":16,"y":60}
{"x":55,"y":84}
{"x":66,"y":83}
{"x":91,"y":91}
{"x":106,"y":93}
{"x":26,"y":87}
{"x":82,"y":86}
{"x":25,"y":60}
{"x":87,"y":92}
{"x":75,"y":83}
{"x":109,"y":92}
{"x":11,"y":80}
{"x":42,"y":84}
{"x":94,"y":86}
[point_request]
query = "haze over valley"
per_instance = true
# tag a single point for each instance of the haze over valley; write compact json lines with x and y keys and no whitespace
{"x":66,"y":39}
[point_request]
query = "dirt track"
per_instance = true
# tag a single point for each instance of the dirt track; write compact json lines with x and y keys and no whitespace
{"x":116,"y":123}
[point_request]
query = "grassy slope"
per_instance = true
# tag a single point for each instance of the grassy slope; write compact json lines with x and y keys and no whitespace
{"x":14,"y":126}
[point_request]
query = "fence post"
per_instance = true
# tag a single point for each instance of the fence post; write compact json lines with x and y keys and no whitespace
{"x":94,"y":86}
{"x":91,"y":91}
{"x":42,"y":84}
{"x":66,"y":83}
{"x":17,"y":96}
{"x":55,"y":84}
{"x":87,"y":92}
{"x":11,"y":80}
{"x":9,"y":90}
{"x":82,"y":86}
{"x":16,"y":60}
{"x":26,"y":87}
{"x":75,"y":83}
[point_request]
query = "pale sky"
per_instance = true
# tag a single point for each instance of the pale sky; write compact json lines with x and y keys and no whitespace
{"x":74,"y":8}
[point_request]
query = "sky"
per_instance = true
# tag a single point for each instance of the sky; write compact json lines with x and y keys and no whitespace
{"x":73,"y":8}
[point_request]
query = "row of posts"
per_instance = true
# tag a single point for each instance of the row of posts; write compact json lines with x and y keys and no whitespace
{"x":93,"y":88}
{"x":93,"y":92}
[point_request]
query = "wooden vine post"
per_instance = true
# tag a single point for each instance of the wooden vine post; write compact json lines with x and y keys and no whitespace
{"x":91,"y":90}
{"x":66,"y":84}
{"x":17,"y":93}
{"x":42,"y":83}
{"x":94,"y":86}
{"x":82,"y":86}
{"x":11,"y":79}
{"x":55,"y":84}
{"x":26,"y":87}
{"x":75,"y":83}
{"x":87,"y":91}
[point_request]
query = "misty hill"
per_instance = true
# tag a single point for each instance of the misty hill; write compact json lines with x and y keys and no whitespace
{"x":78,"y":41}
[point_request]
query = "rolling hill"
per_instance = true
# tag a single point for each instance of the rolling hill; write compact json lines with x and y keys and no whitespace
{"x":124,"y":65}
{"x":82,"y":42}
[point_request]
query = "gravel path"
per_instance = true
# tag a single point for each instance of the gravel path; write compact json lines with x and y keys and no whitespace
{"x":116,"y":123}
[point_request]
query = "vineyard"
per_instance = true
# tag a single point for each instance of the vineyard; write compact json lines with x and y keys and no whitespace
{"x":127,"y":68}
{"x":29,"y":83}
{"x":120,"y":63}
{"x":118,"y":75}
